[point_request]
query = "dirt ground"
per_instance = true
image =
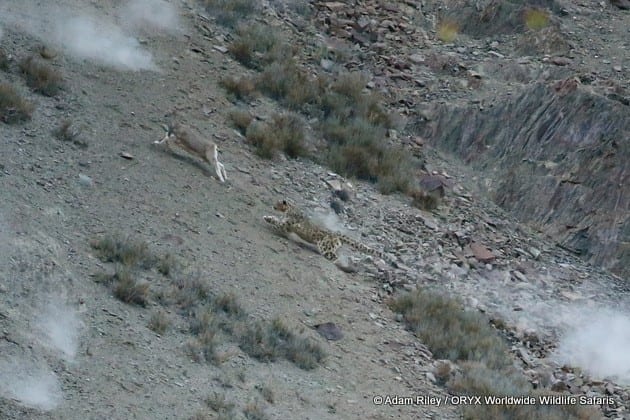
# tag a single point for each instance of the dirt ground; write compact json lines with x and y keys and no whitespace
{"x":101,"y":361}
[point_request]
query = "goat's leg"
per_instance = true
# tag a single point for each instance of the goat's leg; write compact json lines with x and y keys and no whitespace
{"x":212,"y":155}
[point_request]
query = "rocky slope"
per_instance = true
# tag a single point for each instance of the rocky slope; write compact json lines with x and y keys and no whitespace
{"x":69,"y":349}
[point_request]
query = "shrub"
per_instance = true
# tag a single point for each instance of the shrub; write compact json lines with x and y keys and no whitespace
{"x":128,"y":289}
{"x":165,"y":264}
{"x":13,"y":108}
{"x":41,"y":77}
{"x":536,"y":19}
{"x":254,"y":411}
{"x":4,"y":60}
{"x":284,"y":133}
{"x":69,"y":133}
{"x":190,"y":290}
{"x":270,"y":341}
{"x":424,"y":200}
{"x":452,"y":332}
{"x":114,"y":248}
{"x":479,"y":380}
{"x":230,"y":12}
{"x":240,"y":119}
{"x":159,"y":322}
{"x":257,"y":45}
{"x":447,"y":31}
{"x":242,"y":88}
{"x":219,"y":403}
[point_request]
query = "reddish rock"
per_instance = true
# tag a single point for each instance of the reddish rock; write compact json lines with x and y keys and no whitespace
{"x":482,"y":253}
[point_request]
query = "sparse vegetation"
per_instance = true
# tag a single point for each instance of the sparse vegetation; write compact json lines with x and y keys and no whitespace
{"x":447,"y":31}
{"x":41,"y":77}
{"x":128,"y":289}
{"x":241,"y":119}
{"x":477,"y":379}
{"x":190,"y":290}
{"x":130,"y":257}
{"x":254,"y":411}
{"x":230,"y":12}
{"x":267,"y":393}
{"x":258,"y":45}
{"x":284,"y":133}
{"x":424,"y":200}
{"x":536,"y":19}
{"x":210,"y":317}
{"x":219,"y":404}
{"x":241,"y":88}
{"x":125,"y":285}
{"x":69,"y":133}
{"x":13,"y":108}
{"x":270,"y":341}
{"x":165,"y":264}
{"x":114,"y":248}
{"x":450,"y":331}
{"x":228,"y":305}
{"x":487,"y":369}
{"x":4,"y":60}
{"x":352,"y":120}
{"x":159,"y":322}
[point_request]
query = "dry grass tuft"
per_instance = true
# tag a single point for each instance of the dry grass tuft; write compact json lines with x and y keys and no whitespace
{"x":536,"y":19}
{"x":447,"y":31}
{"x":129,"y":290}
{"x":255,"y":411}
{"x":241,"y":88}
{"x":4,"y":60}
{"x":241,"y":119}
{"x":464,"y":336}
{"x":269,"y":341}
{"x":115,"y":248}
{"x":41,"y":77}
{"x":284,"y":133}
{"x":450,"y":331}
{"x":424,"y":200}
{"x":230,"y":12}
{"x":219,"y":404}
{"x":258,"y":45}
{"x":69,"y":133}
{"x":159,"y":322}
{"x":125,"y":286}
{"x":13,"y":107}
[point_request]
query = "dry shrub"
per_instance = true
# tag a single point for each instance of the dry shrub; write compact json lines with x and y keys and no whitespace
{"x":241,"y":119}
{"x":41,"y":77}
{"x":424,"y":200}
{"x":230,"y":12}
{"x":536,"y":19}
{"x":258,"y":45}
{"x":242,"y":88}
{"x":13,"y":107}
{"x":269,"y":341}
{"x":4,"y":60}
{"x":284,"y":133}
{"x":68,"y":132}
{"x":450,"y":331}
{"x":447,"y":31}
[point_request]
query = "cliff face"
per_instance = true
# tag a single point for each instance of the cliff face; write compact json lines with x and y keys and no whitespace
{"x":557,"y":157}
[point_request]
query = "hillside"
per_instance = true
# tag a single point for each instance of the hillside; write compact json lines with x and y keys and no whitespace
{"x":482,"y":147}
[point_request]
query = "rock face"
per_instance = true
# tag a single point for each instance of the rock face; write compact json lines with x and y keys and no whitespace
{"x":559,"y":156}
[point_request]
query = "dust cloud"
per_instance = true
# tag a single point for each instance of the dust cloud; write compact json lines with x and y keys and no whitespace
{"x":103,"y":42}
{"x":60,"y":327}
{"x":147,"y":14}
{"x":597,"y":341}
{"x":88,"y":34}
{"x":31,"y":386}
